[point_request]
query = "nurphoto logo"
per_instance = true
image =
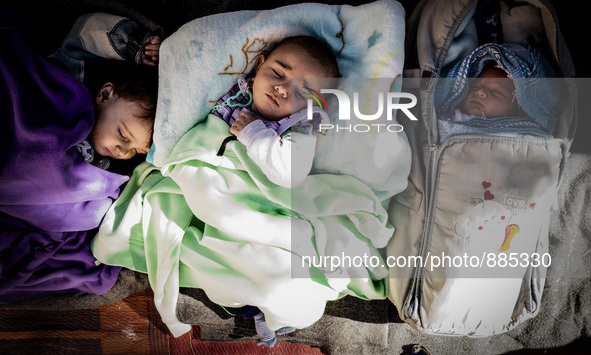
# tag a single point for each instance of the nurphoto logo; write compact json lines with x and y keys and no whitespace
{"x":344,"y":107}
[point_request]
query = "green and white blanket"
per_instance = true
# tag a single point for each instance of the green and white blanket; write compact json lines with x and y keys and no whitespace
{"x":217,"y":223}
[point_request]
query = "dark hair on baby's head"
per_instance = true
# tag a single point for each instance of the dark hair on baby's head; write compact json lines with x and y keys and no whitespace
{"x":137,"y":83}
{"x":317,"y":49}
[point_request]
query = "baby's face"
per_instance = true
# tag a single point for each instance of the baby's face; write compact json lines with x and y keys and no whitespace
{"x":491,"y":95}
{"x":273,"y":98}
{"x":118,"y":131}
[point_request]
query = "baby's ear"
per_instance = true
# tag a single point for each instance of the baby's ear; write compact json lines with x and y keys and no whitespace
{"x":260,"y":60}
{"x":105,"y":93}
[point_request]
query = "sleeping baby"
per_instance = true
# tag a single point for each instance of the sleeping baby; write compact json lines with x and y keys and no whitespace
{"x":266,"y":113}
{"x":125,"y":105}
{"x":54,"y":190}
{"x":491,"y":95}
{"x":259,"y":110}
{"x":502,"y":99}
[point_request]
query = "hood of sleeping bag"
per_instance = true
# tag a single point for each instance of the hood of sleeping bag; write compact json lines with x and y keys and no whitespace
{"x":539,"y":97}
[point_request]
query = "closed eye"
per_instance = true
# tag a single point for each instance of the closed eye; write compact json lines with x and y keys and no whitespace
{"x":277,"y":74}
{"x":122,"y":136}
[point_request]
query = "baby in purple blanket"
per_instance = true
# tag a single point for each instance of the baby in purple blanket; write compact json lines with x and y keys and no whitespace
{"x":51,"y":198}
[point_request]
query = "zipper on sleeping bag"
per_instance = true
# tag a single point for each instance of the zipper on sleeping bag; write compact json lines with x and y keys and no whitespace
{"x":426,"y":239}
{"x":430,"y":180}
{"x":430,"y":187}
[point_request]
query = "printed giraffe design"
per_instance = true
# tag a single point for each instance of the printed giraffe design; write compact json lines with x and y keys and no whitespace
{"x":249,"y":52}
{"x":487,"y":226}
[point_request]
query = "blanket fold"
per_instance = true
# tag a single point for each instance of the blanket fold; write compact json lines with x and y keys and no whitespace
{"x":219,"y":224}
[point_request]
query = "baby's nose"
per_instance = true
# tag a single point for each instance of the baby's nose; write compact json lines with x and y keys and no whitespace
{"x":122,"y":151}
{"x":480,"y":93}
{"x":282,"y":90}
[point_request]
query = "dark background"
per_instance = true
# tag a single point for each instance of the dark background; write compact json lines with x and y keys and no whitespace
{"x":53,"y":18}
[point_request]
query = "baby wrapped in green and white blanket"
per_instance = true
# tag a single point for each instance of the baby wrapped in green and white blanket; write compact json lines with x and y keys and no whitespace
{"x":198,"y":219}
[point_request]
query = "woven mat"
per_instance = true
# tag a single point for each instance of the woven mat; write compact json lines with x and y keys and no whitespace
{"x":130,"y":326}
{"x":191,"y":343}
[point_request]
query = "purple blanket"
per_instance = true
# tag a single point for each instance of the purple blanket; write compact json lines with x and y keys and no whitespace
{"x":50,"y":198}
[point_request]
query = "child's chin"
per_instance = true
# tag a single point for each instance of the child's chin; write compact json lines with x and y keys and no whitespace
{"x":476,"y":113}
{"x":275,"y":117}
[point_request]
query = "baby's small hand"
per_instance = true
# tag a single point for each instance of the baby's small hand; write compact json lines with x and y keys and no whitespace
{"x":243,"y":120}
{"x":150,"y":50}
